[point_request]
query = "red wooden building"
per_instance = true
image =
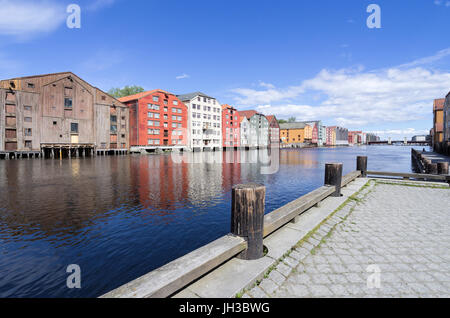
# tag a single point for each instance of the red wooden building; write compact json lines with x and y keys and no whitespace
{"x":231,"y":133}
{"x":157,"y":119}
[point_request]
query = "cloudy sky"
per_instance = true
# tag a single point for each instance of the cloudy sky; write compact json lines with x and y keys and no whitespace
{"x":307,"y":59}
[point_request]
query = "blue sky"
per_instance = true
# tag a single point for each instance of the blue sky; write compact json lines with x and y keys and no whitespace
{"x":308,"y":59}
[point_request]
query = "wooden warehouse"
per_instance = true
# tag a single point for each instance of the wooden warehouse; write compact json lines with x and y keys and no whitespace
{"x":60,"y":115}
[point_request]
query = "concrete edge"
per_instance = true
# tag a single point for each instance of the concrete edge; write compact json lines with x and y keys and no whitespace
{"x":235,"y":276}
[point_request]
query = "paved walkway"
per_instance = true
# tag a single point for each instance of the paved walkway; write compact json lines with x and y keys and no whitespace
{"x":396,"y":235}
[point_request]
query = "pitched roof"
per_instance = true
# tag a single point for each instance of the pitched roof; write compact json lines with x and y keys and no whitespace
{"x":190,"y":96}
{"x":141,"y":95}
{"x":60,"y":73}
{"x":40,"y":75}
{"x":247,"y":113}
{"x":293,"y":126}
{"x":271,"y":118}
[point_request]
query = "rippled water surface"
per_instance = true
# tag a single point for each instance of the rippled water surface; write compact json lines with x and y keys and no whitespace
{"x":121,"y":217}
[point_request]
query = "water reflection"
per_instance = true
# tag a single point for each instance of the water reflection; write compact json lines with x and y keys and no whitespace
{"x":120,"y":217}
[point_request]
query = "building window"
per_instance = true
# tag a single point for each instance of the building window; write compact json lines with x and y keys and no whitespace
{"x":27,"y":108}
{"x":156,"y":116}
{"x":28,"y":132}
{"x":175,"y":102}
{"x":74,"y":128}
{"x":67,"y":102}
{"x":155,"y":98}
{"x":113,"y":129}
{"x":150,"y":115}
{"x":28,"y":119}
{"x":28,"y":144}
{"x":30,"y":85}
{"x":113,"y":119}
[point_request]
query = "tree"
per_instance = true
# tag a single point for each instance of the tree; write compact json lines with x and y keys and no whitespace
{"x":282,"y":121}
{"x":126,"y":91}
{"x":291,"y":120}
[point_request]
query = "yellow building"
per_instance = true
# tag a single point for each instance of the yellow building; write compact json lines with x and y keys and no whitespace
{"x":333,"y":137}
{"x":293,"y":133}
{"x":438,"y":121}
{"x":308,"y":132}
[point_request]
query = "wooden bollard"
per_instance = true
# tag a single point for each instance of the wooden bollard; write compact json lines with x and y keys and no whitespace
{"x":247,"y":218}
{"x":361,"y":165}
{"x":433,"y":168}
{"x":442,"y":168}
{"x":333,"y":177}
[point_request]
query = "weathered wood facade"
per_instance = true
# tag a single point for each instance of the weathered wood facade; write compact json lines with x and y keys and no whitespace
{"x":60,"y":111}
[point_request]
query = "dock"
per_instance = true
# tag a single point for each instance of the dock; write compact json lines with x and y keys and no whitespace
{"x":394,"y":232}
{"x":261,"y":246}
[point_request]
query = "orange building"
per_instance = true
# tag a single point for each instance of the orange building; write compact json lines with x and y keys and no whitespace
{"x":438,"y":122}
{"x":292,"y":133}
{"x":157,"y":118}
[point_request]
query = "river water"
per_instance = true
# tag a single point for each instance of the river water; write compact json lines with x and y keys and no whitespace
{"x":121,"y":217}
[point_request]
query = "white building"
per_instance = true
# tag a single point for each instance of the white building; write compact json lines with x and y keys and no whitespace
{"x":245,"y":132}
{"x":204,"y":123}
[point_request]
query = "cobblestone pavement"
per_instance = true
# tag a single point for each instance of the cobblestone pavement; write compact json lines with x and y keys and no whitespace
{"x":402,"y":232}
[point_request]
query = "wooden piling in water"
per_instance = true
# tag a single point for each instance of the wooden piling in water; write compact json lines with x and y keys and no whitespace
{"x":433,"y":168}
{"x":247,"y":218}
{"x":442,"y":168}
{"x":333,"y":177}
{"x":361,"y":165}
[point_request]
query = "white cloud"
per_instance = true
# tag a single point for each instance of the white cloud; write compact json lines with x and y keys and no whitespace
{"x":441,"y":2}
{"x":429,"y":59}
{"x":266,"y":85}
{"x":355,"y":97}
{"x":24,"y":18}
{"x":182,"y":76}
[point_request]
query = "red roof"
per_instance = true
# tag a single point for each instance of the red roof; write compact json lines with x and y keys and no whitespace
{"x":247,"y":113}
{"x":225,"y":106}
{"x":141,"y":95}
{"x":271,"y":118}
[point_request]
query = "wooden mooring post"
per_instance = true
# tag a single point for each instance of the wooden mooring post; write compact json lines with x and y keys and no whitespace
{"x":361,"y":165}
{"x":433,"y":168}
{"x":247,"y":218}
{"x":333,"y":177}
{"x":442,"y":168}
